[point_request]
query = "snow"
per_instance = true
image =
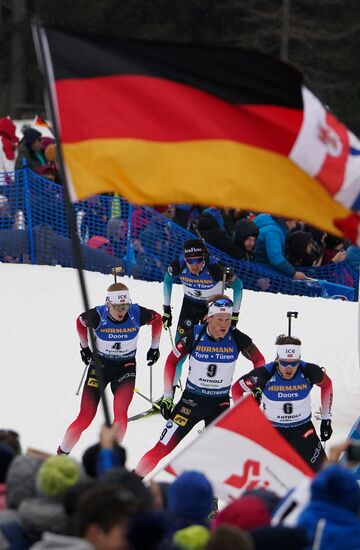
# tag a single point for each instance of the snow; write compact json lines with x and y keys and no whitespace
{"x":41,"y":366}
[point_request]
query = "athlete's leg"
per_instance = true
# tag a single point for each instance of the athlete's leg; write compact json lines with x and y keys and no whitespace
{"x":123,"y":390}
{"x":173,"y":432}
{"x":189,"y":316}
{"x":306,"y":443}
{"x":216,"y":410}
{"x":89,"y":402}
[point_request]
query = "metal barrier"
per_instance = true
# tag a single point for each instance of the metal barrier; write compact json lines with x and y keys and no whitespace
{"x":114,"y":232}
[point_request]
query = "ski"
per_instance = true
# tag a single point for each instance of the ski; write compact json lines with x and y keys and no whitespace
{"x":144,"y":414}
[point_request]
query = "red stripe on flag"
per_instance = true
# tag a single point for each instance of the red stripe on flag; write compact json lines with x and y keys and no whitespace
{"x":156,"y":109}
{"x":246,"y":419}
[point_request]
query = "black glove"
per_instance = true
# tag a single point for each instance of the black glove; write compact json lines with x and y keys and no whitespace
{"x":166,"y":407}
{"x":234,"y":319}
{"x":257,"y":393}
{"x":167,"y":317}
{"x":86,"y":355}
{"x":325,"y":430}
{"x":152,"y":356}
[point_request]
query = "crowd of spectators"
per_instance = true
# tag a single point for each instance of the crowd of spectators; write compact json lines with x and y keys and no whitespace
{"x":56,"y":502}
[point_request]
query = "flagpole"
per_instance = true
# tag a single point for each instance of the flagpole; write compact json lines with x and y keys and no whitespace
{"x":42,"y":51}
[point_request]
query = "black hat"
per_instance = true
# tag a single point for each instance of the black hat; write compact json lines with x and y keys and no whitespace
{"x":31,"y":135}
{"x":194,"y":248}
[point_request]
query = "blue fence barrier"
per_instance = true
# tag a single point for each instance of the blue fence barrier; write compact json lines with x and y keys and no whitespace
{"x":34,"y":229}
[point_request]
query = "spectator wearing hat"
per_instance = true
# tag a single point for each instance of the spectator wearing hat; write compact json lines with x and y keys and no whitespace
{"x":212,"y":227}
{"x":30,"y":149}
{"x":334,"y":250}
{"x":190,"y":500}
{"x":332,"y":515}
{"x":45,"y":511}
{"x":302,"y":250}
{"x":247,"y":512}
{"x":245,"y":235}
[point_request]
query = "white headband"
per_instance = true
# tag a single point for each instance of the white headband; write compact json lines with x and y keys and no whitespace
{"x":118,"y":297}
{"x":289,"y":351}
{"x":213,"y":309}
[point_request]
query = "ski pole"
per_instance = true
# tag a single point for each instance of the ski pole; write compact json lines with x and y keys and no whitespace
{"x":136,"y":390}
{"x":171,"y":340}
{"x":151,"y":398}
{"x":82,"y":380}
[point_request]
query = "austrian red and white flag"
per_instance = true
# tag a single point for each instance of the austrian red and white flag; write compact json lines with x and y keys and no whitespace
{"x":241,"y":451}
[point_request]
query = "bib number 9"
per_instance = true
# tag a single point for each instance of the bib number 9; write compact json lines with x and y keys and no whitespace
{"x":211,"y":370}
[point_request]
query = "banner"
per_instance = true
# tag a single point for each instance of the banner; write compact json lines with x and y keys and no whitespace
{"x":242,"y":451}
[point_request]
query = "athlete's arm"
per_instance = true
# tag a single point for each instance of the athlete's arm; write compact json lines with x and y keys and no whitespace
{"x":256,"y":378}
{"x":317,"y":375}
{"x":151,"y":317}
{"x":172,"y":271}
{"x":248,"y":348}
{"x":87,"y":319}
{"x":182,"y":348}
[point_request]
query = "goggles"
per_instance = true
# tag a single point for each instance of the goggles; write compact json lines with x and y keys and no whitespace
{"x":194,"y":261}
{"x":285,"y":364}
{"x":221,"y":305}
{"x":120,"y":307}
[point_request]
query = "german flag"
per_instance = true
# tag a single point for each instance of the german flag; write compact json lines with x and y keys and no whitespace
{"x":168,"y":123}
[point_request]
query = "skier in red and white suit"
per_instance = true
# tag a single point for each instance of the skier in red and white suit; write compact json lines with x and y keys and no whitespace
{"x":116,"y":325}
{"x":213,"y":349}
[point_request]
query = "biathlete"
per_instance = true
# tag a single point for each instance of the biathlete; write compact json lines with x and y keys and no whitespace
{"x":213,"y":349}
{"x":201,"y":277}
{"x":116,"y":325}
{"x":283,"y":388}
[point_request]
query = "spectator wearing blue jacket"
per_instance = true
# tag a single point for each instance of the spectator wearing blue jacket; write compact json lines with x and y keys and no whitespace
{"x":332,"y":516}
{"x":271,"y":242}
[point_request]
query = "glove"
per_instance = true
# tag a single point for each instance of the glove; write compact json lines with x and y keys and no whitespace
{"x":325,"y":430}
{"x":257,"y":393}
{"x":86,"y":355}
{"x":167,"y":317}
{"x":152,"y":356}
{"x":234,"y":319}
{"x":166,"y":407}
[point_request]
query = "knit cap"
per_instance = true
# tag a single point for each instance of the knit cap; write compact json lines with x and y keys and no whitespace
{"x":191,"y":538}
{"x":31,"y":135}
{"x":337,"y":485}
{"x":191,"y":496}
{"x":246,"y":513}
{"x":56,"y":475}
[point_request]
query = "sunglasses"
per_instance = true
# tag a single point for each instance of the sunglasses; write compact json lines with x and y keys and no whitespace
{"x":194,"y":261}
{"x":120,"y":307}
{"x":222,"y":302}
{"x":292,"y":364}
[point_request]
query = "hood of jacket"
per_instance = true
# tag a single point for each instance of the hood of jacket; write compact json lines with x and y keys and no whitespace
{"x":51,"y":541}
{"x":41,"y":514}
{"x":339,"y":527}
{"x":20,"y":479}
{"x":266,"y":220}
